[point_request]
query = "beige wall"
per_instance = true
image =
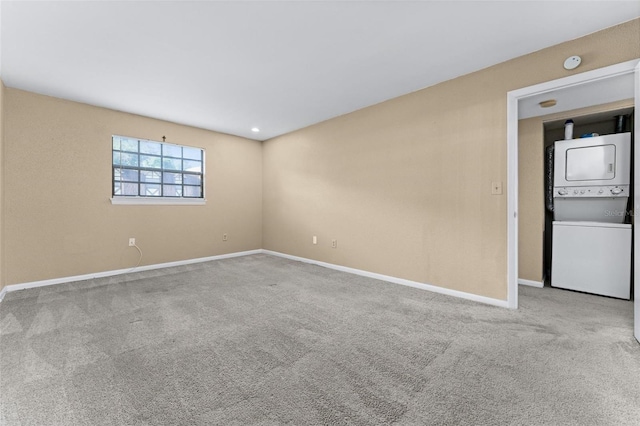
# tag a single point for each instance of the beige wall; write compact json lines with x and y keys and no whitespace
{"x":2,"y":90}
{"x":531,"y":185}
{"x":530,"y":198}
{"x":405,"y":185}
{"x":58,"y":218}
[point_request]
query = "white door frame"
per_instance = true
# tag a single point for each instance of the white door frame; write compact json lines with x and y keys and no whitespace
{"x":636,"y":202}
{"x":512,"y":161}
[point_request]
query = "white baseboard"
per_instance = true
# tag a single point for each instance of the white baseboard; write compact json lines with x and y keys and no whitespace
{"x":387,"y":278}
{"x":402,"y":281}
{"x":530,"y":283}
{"x":33,"y":284}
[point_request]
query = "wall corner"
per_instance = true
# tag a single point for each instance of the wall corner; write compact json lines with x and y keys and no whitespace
{"x":2,"y":128}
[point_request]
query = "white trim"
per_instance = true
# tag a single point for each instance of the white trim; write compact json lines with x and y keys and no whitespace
{"x":43,"y":283}
{"x":402,"y":281}
{"x":530,"y":283}
{"x":512,"y":205}
{"x":163,"y":201}
{"x":512,"y":156}
{"x":387,"y":278}
{"x":577,"y":79}
{"x":636,"y":200}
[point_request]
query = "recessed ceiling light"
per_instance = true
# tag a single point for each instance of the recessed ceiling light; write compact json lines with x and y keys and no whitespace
{"x":548,"y":103}
{"x":255,"y":129}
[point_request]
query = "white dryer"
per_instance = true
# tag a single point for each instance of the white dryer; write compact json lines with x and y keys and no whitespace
{"x":591,"y":178}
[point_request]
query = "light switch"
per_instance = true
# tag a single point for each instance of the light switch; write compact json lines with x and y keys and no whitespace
{"x":496,"y":188}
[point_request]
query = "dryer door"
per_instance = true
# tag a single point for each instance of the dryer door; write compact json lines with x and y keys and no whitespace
{"x":591,"y":163}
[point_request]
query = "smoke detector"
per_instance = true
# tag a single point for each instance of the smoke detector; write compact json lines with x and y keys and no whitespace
{"x":572,"y":62}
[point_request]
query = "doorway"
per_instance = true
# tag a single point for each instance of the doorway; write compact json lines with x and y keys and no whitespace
{"x":515,"y":100}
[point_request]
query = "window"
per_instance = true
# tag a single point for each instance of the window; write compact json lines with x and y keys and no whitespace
{"x":146,"y":170}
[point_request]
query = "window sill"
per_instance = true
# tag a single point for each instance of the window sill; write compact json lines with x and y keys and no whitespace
{"x":158,"y":201}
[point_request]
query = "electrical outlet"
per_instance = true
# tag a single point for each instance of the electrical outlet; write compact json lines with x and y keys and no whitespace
{"x":225,"y":237}
{"x":132,"y":242}
{"x":334,"y":243}
{"x":315,"y":240}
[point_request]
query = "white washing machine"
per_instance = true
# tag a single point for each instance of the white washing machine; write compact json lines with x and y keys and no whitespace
{"x":593,"y":257}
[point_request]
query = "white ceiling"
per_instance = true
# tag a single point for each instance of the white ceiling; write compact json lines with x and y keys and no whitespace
{"x":276,"y":65}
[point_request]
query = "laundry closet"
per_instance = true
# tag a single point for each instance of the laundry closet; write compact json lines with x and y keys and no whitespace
{"x":589,"y":211}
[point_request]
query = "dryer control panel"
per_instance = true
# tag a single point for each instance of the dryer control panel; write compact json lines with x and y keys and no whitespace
{"x":591,"y":191}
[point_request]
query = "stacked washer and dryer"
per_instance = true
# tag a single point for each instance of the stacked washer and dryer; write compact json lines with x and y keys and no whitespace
{"x":591,"y":247}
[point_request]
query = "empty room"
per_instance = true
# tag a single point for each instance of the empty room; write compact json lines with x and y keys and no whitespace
{"x":319,"y":213}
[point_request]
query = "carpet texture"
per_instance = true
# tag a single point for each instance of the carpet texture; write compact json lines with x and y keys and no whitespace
{"x":261,"y":340}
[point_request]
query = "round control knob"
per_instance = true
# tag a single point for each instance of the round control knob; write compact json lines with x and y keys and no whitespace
{"x":616,"y":191}
{"x":582,"y":191}
{"x":562,"y":192}
{"x":575,"y":191}
{"x":600,"y":192}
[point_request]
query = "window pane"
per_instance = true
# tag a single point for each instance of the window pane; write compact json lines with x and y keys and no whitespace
{"x":129,"y":145}
{"x":116,"y":143}
{"x":125,"y":174}
{"x":148,"y":147}
{"x":150,"y":162}
{"x":172,"y":151}
{"x":148,"y":190}
{"x":192,"y":153}
{"x":172,"y":164}
{"x":192,"y":179}
{"x":122,"y":188}
{"x":130,"y":175}
{"x":172,"y":190}
{"x":192,"y":166}
{"x":192,"y":191}
{"x":172,"y":177}
{"x":149,"y":176}
{"x":125,"y":159}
